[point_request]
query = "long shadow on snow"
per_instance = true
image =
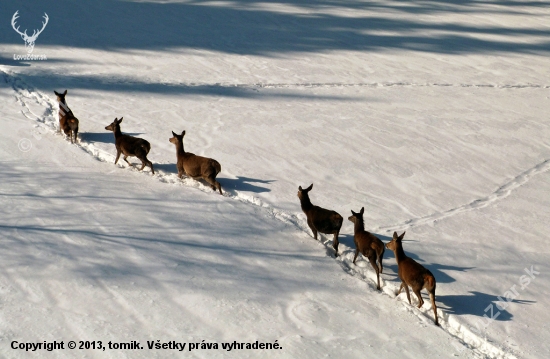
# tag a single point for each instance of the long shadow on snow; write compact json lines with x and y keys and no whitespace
{"x":46,"y":81}
{"x":438,"y":270}
{"x":479,"y":304}
{"x":390,"y":265}
{"x":102,"y":137}
{"x":243,"y":28}
{"x":244,"y":184}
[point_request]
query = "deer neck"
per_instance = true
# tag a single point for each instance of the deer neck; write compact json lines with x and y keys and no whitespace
{"x":180,"y":152}
{"x":359,"y":226}
{"x":117,"y":132}
{"x":305,"y":202}
{"x":399,"y":253}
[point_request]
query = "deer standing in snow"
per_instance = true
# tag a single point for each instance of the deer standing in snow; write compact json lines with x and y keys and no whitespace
{"x":319,"y":219}
{"x":367,"y":244}
{"x":68,"y":123}
{"x":412,"y":274}
{"x":130,"y":146}
{"x":195,"y":166}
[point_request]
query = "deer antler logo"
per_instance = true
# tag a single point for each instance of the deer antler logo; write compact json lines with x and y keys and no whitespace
{"x":29,"y":40}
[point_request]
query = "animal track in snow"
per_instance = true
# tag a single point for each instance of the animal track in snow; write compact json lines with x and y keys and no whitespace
{"x":266,"y":85}
{"x":501,"y":193}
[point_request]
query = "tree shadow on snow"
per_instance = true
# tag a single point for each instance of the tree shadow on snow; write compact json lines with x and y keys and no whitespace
{"x":243,"y":28}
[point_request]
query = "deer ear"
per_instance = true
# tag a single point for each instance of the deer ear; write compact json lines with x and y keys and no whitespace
{"x":55,"y":92}
{"x":401,"y":236}
{"x":65,"y":92}
{"x":394,"y":235}
{"x":353,"y":213}
{"x":310,"y":187}
{"x":119,"y":121}
{"x":173,"y":134}
{"x":183,"y":133}
{"x":300,"y":188}
{"x":362,"y":210}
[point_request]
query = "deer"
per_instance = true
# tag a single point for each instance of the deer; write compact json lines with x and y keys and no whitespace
{"x":367,"y":244}
{"x":320,"y":219}
{"x":194,"y":166}
{"x":130,"y":146}
{"x":68,"y":123}
{"x":412,"y":274}
{"x":29,"y":40}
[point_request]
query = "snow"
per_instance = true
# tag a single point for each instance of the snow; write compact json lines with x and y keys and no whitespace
{"x":432,"y":115}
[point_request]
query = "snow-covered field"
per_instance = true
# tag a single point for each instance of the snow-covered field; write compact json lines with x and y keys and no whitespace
{"x":433,"y":115}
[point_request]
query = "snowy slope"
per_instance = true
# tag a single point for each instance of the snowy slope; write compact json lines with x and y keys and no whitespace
{"x":432,"y":115}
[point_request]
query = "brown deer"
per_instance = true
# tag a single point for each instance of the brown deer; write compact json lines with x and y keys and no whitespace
{"x":130,"y":146}
{"x":319,"y":219}
{"x":412,"y":274}
{"x":367,"y":243}
{"x":194,"y":166}
{"x":68,"y":123}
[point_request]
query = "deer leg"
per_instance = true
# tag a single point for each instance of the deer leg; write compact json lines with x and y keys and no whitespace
{"x":419,"y":296}
{"x":400,"y":288}
{"x":432,"y":298}
{"x":125,"y":158}
{"x":356,"y":254}
{"x":76,"y":135}
{"x":372,"y":261}
{"x":213,"y":183}
{"x":407,"y":291}
{"x":219,"y":187}
{"x":335,"y":243}
{"x":117,"y":156}
{"x":380,"y":261}
{"x":151,"y":165}
{"x":312,"y":229}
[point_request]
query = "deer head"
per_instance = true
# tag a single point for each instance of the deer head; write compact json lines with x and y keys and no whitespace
{"x":29,"y":40}
{"x":176,"y":139}
{"x":357,"y":217}
{"x":395,"y":242}
{"x":113,"y":126}
{"x":304,"y":192}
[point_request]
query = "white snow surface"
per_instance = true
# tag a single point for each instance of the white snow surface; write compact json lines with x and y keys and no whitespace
{"x":433,"y":115}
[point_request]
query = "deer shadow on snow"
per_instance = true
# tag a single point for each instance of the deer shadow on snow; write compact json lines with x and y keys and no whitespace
{"x":241,"y":184}
{"x":245,"y":184}
{"x":473,"y":303}
{"x":101,"y":137}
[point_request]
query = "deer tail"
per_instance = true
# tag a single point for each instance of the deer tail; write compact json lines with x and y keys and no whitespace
{"x":429,"y":279}
{"x":217,"y":166}
{"x":146,"y":146}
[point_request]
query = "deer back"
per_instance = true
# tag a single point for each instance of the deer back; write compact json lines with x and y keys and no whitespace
{"x":412,"y":272}
{"x":366,"y":242}
{"x":325,"y":220}
{"x":130,"y":146}
{"x":198,"y":166}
